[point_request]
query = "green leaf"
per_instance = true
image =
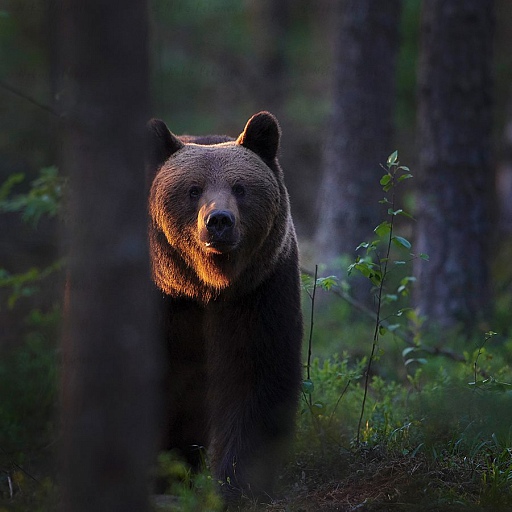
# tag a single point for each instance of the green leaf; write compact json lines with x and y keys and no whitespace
{"x":375,"y":277}
{"x":364,"y":269}
{"x":420,"y":360}
{"x":392,"y":158}
{"x":317,"y":408}
{"x":307,"y":386}
{"x":408,"y":350}
{"x":394,"y":212}
{"x":400,"y":241}
{"x":383,"y":228}
{"x":404,"y":177}
{"x":424,"y":256}
{"x":327,"y":282}
{"x":406,"y":214}
{"x":388,"y":186}
{"x":306,"y":279}
{"x":385,"y":179}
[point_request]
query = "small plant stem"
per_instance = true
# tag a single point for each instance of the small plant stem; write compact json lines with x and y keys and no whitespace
{"x":475,"y":363}
{"x":488,"y":336}
{"x":311,"y":325}
{"x":377,"y":320}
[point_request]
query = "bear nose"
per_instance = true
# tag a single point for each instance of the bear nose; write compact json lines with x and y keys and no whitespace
{"x":219,"y":221}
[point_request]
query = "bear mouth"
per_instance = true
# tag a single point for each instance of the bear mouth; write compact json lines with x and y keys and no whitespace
{"x":220,"y":246}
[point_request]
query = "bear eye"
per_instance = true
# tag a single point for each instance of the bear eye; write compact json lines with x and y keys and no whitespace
{"x":194,"y":192}
{"x":238,"y":190}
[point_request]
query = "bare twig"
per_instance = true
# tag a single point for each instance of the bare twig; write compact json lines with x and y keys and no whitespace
{"x":28,"y":98}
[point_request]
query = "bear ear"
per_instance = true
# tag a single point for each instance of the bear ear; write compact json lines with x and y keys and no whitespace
{"x":160,"y":144}
{"x":261,"y":135}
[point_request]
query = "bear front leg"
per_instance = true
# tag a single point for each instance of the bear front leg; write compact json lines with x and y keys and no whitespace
{"x":187,"y":423}
{"x":254,"y":375}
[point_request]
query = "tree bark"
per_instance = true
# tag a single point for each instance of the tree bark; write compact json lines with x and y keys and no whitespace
{"x":270,"y":24}
{"x":110,"y":352}
{"x":455,"y":122}
{"x":504,"y":175}
{"x":361,"y":133}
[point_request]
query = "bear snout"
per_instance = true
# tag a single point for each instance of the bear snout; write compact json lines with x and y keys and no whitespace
{"x":220,"y":233}
{"x":219,"y":221}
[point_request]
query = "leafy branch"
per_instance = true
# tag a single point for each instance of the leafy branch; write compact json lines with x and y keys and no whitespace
{"x":375,"y":266}
{"x":44,"y":197}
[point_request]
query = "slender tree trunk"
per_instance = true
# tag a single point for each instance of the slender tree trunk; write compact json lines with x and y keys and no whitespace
{"x":361,"y":132}
{"x":110,"y":353}
{"x":455,"y":121}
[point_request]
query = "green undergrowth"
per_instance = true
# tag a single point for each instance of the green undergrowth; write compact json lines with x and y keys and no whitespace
{"x":444,"y":424}
{"x":28,"y":423}
{"x":436,"y":440}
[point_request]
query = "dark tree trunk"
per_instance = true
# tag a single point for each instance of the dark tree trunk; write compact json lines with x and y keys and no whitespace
{"x":455,"y":121}
{"x":110,"y":353}
{"x":361,"y":132}
{"x":271,"y":22}
{"x":504,"y":176}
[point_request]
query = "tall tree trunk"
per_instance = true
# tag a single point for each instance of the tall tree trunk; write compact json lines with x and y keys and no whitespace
{"x":361,"y":132}
{"x":504,"y":175}
{"x":270,"y":23}
{"x":110,"y":352}
{"x":455,"y":121}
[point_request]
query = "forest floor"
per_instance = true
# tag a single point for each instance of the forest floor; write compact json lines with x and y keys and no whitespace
{"x":370,"y":480}
{"x":375,"y":482}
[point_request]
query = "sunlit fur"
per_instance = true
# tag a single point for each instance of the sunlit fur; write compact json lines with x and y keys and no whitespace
{"x":259,"y":214}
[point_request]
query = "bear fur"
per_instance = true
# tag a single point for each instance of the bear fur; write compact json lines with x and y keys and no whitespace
{"x":225,"y":262}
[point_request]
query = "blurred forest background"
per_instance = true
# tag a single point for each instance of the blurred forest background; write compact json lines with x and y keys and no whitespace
{"x":213,"y":64}
{"x":350,"y":82}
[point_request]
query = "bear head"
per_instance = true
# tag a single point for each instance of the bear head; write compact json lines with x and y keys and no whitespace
{"x":218,"y":208}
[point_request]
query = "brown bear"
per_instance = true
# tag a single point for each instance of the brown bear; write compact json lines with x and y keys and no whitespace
{"x":225,"y":262}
